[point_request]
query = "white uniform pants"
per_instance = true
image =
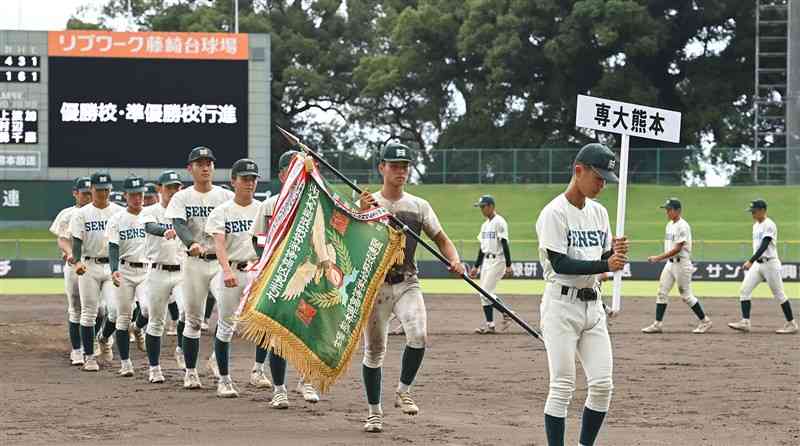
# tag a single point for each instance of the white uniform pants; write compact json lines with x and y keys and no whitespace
{"x":405,"y":301}
{"x":677,"y":273}
{"x":572,"y":327}
{"x":196,"y":281}
{"x":73,"y":294}
{"x":770,"y":272}
{"x":132,"y":281}
{"x":161,"y":286}
{"x":96,"y":290}
{"x":492,"y":270}
{"x":227,"y":302}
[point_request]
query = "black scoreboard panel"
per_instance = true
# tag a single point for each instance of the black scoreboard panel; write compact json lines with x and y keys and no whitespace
{"x":118,"y":112}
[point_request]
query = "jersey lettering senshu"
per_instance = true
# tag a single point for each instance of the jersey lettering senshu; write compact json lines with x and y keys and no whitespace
{"x":127,"y":231}
{"x":195,"y":207}
{"x":581,"y":234}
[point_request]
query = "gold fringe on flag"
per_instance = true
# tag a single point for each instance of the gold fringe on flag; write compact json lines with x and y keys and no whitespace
{"x":270,"y":334}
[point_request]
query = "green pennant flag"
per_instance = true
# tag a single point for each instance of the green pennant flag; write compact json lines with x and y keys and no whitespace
{"x":322,"y":267}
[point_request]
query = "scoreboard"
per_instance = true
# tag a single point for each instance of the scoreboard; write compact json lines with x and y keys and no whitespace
{"x":72,"y":102}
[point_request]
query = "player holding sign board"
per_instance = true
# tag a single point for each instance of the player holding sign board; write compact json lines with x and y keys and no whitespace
{"x":575,"y":247}
{"x":764,"y":265}
{"x":494,"y":260}
{"x":678,"y":269}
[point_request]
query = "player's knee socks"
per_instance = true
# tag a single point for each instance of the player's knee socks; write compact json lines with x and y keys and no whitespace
{"x":153,"y":344}
{"x":123,"y":344}
{"x":787,"y":311}
{"x":660,"y":310}
{"x":221,"y":350}
{"x":698,"y":310}
{"x":191,"y":348}
{"x":210,"y":301}
{"x":412,"y":360}
{"x":590,"y":426}
{"x":745,"y":308}
{"x":372,"y":383}
{"x":173,"y":311}
{"x":75,"y":335}
{"x":179,"y":330}
{"x":87,"y":338}
{"x":277,"y":367}
{"x":141,"y":321}
{"x":98,"y":322}
{"x":488,"y":311}
{"x":554,"y":429}
{"x":261,"y":355}
{"x":108,"y":329}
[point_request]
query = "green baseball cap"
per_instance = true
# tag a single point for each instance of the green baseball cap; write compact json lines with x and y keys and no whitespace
{"x":201,"y":152}
{"x":757,"y":204}
{"x":485,"y":200}
{"x":168,"y":177}
{"x":117,"y":198}
{"x":82,"y":184}
{"x":150,"y":189}
{"x":101,"y":180}
{"x":396,"y":152}
{"x":285,"y":159}
{"x":133,"y":184}
{"x":601,"y":159}
{"x":671,"y":203}
{"x":244,"y":167}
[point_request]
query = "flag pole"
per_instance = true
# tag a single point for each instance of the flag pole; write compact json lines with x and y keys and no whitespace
{"x":294,"y":141}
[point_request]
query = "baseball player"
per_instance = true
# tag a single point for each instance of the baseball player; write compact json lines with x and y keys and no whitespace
{"x":90,"y":251}
{"x":277,"y":364}
{"x":60,"y":228}
{"x":165,"y":254}
{"x":401,"y":294}
{"x":229,"y":224}
{"x":128,"y":261}
{"x":575,"y":246}
{"x":189,"y":209}
{"x":678,"y":269}
{"x":764,"y":265}
{"x":494,"y":260}
{"x":150,"y":194}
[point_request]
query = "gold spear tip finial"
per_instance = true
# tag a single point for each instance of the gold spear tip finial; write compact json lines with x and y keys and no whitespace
{"x":293,"y":140}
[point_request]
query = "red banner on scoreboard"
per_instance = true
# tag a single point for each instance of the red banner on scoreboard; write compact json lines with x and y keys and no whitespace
{"x":148,"y":45}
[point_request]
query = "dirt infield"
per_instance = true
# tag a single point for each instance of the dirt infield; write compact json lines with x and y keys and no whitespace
{"x":722,"y":388}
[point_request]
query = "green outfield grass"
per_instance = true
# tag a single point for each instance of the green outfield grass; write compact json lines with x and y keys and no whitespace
{"x":457,"y":286}
{"x":721,"y":227}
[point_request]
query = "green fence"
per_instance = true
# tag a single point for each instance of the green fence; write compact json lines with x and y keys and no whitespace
{"x":656,"y":165}
{"x":704,"y":250}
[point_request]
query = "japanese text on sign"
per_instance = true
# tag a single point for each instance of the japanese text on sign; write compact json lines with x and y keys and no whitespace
{"x":19,"y":126}
{"x":148,"y":45}
{"x":631,"y":119}
{"x":19,"y":160}
{"x":149,"y":113}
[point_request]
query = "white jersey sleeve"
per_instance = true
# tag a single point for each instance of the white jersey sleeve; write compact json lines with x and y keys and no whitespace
{"x":551,"y":230}
{"x":430,"y":222}
{"x":60,"y":226}
{"x":112,"y":229}
{"x":265,"y":211}
{"x":501,"y":227}
{"x":766,"y":228}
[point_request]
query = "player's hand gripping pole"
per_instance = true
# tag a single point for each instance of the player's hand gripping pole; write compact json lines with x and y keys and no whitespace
{"x":616,"y":299}
{"x":293,"y":140}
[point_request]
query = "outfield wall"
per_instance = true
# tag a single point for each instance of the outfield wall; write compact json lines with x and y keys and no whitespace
{"x":706,"y":271}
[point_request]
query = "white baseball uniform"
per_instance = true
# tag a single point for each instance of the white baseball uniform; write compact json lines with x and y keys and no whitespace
{"x":197,"y":273}
{"x":403,"y":298}
{"x":88,"y":224}
{"x":679,"y":268}
{"x":493,"y":267}
{"x":126,"y":230}
{"x":60,"y":228}
{"x":571,"y":326}
{"x":163,"y":279}
{"x":768,"y":267}
{"x":235,"y":223}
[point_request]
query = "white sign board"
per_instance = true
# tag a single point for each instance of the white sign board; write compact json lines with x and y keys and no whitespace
{"x":628,"y":119}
